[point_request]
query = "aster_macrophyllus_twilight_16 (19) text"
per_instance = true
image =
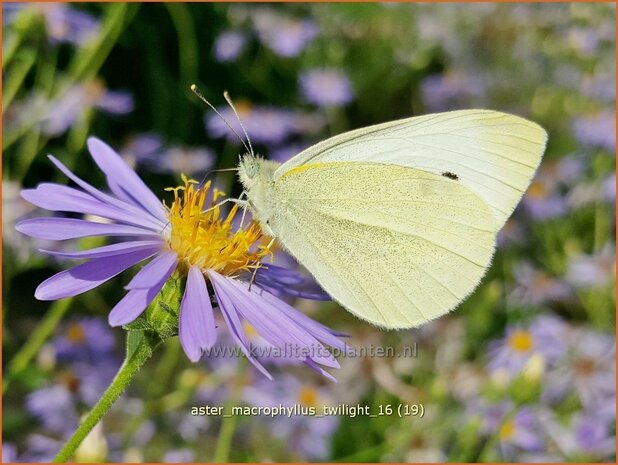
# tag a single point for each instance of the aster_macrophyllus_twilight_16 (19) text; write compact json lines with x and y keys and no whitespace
{"x":190,"y":241}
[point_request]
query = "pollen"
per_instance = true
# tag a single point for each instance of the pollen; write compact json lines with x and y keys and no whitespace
{"x":201,"y":236}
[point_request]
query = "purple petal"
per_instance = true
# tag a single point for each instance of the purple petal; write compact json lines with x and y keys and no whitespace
{"x":103,"y":197}
{"x":196,"y":329}
{"x":273,"y":324}
{"x":56,"y":197}
{"x":116,"y":168}
{"x":58,"y":229}
{"x":318,"y":330}
{"x":109,"y":250}
{"x":150,"y":275}
{"x":116,"y":102}
{"x":135,"y":302}
{"x":82,"y":278}
{"x":230,"y":315}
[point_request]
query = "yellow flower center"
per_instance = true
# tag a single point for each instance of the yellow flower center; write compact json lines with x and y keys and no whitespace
{"x":201,"y":237}
{"x":520,"y":341}
{"x":307,"y":396}
{"x":537,"y":190}
{"x":75,"y":333}
{"x":507,"y":430}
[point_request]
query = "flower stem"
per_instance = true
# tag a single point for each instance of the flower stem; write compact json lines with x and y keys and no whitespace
{"x":39,"y":336}
{"x":137,"y":355}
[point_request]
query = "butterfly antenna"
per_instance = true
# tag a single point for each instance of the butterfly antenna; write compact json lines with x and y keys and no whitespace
{"x":231,"y":104}
{"x":199,"y":95}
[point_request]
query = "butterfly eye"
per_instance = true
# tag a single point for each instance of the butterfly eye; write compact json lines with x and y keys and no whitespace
{"x":250,"y":166}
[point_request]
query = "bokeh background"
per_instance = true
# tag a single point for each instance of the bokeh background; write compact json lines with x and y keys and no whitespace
{"x":524,"y":370}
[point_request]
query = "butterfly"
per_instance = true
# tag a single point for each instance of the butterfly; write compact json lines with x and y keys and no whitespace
{"x":398,"y":221}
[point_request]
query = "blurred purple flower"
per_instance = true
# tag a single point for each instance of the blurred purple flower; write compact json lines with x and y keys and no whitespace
{"x":63,"y":23}
{"x":134,"y":212}
{"x":287,"y":37}
{"x":597,"y":130}
{"x":75,"y":101}
{"x":189,"y":161}
{"x":598,"y":190}
{"x":608,"y":189}
{"x":265,"y":125}
{"x":452,"y":90}
{"x":601,"y":85}
{"x":307,"y":435}
{"x":40,"y":449}
{"x":570,"y":169}
{"x":179,"y":456}
{"x":520,"y":432}
{"x":9,"y":452}
{"x":589,"y":369}
{"x":284,"y":153}
{"x":536,"y":287}
{"x":584,"y":40}
{"x":229,"y":45}
{"x":142,"y":148}
{"x":594,"y":436}
{"x":511,"y":233}
{"x":545,"y":336}
{"x":541,"y":203}
{"x":589,"y":271}
{"x":587,"y":437}
{"x":84,"y":339}
{"x":54,"y":407}
{"x":326,"y":87}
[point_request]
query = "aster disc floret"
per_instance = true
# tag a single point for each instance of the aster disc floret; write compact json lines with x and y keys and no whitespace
{"x":190,"y":240}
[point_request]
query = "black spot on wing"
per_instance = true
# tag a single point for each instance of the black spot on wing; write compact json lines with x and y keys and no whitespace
{"x":448,"y":174}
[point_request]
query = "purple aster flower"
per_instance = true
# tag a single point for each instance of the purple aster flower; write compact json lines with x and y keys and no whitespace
{"x":587,"y":436}
{"x":536,"y":287}
{"x":304,"y":433}
{"x":451,"y":90}
{"x":285,"y":36}
{"x":229,"y":45}
{"x":598,"y":190}
{"x":182,"y":160}
{"x":265,"y":125}
{"x":541,"y":202}
{"x":589,"y":369}
{"x":54,"y":407}
{"x":142,"y":148}
{"x":595,"y":437}
{"x":597,"y":270}
{"x":520,"y":432}
{"x":511,"y":233}
{"x":326,"y":87}
{"x":84,"y":339}
{"x":597,"y":130}
{"x":76,"y":100}
{"x":546,"y":336}
{"x":40,"y":449}
{"x":283,"y":154}
{"x":63,"y":24}
{"x":187,"y":239}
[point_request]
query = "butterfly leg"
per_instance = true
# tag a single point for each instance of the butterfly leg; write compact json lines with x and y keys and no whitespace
{"x":243,"y":203}
{"x":259,"y":265}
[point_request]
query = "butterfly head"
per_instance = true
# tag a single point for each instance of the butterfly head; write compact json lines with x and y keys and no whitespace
{"x":254,"y":170}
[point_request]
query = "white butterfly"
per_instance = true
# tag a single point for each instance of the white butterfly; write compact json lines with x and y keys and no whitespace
{"x":398,"y":221}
